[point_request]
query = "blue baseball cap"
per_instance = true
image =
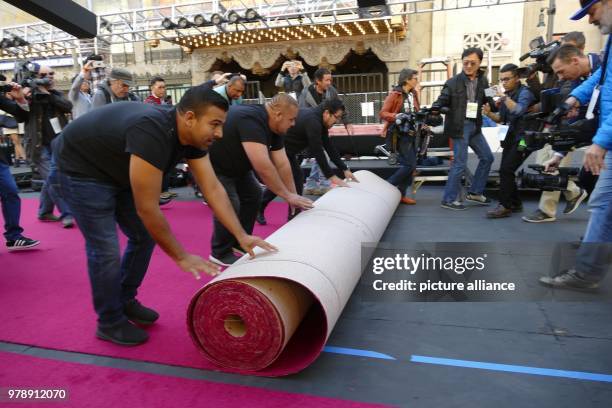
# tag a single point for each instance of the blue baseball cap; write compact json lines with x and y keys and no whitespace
{"x":586,"y":5}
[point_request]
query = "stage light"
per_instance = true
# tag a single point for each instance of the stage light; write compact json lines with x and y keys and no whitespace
{"x":216,"y":19}
{"x":233,"y":17}
{"x":105,"y":25}
{"x":183,"y":23}
{"x":168,"y":24}
{"x":199,"y":20}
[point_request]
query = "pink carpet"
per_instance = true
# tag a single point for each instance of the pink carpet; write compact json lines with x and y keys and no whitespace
{"x":122,"y":388}
{"x":45,"y":297}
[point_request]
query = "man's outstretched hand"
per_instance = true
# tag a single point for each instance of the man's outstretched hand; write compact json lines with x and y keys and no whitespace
{"x":196,"y":265}
{"x":249,"y":242}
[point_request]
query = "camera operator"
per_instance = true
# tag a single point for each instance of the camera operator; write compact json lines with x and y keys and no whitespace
{"x":292,"y":78}
{"x":577,"y":38}
{"x":233,"y":90}
{"x":115,"y":88}
{"x":80,"y":91}
{"x":572,"y":68}
{"x":464,"y":94}
{"x":515,"y":101}
{"x":47,"y":117}
{"x":593,"y":258}
{"x":311,"y":132}
{"x":252,"y":141}
{"x":403,"y":98}
{"x":17,"y":106}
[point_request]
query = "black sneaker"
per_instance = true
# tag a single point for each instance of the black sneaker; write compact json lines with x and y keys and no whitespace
{"x":261,"y":219}
{"x":455,"y":205}
{"x":226,"y":260}
{"x":478,"y":199}
{"x":21,"y":244}
{"x":538,"y":217}
{"x":517,"y":208}
{"x":136,"y":312}
{"x":48,"y":218}
{"x":125,"y":334}
{"x":569,"y":279}
{"x":67,"y":222}
{"x":164,"y":199}
{"x":573,"y":205}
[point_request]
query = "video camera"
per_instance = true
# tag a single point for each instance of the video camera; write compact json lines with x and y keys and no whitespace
{"x":408,"y":122}
{"x":546,"y":181}
{"x":560,"y":134}
{"x":26,"y":75}
{"x":4,"y":87}
{"x":541,"y":52}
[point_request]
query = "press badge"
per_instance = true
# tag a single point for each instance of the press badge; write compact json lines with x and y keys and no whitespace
{"x":594,"y":98}
{"x":55,"y":124}
{"x":472,"y":110}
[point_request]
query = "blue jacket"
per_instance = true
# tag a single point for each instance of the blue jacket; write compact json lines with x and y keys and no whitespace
{"x":583,"y":93}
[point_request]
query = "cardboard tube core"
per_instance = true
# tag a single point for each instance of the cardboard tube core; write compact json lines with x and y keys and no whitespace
{"x":235,"y":326}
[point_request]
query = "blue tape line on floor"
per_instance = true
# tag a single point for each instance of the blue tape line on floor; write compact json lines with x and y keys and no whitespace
{"x":357,"y":352}
{"x":579,"y":375}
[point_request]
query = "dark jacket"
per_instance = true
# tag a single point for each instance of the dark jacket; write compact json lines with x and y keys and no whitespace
{"x":42,"y":108}
{"x":310,"y":132}
{"x":307,"y":100}
{"x":454,"y":97}
{"x":13,"y":108}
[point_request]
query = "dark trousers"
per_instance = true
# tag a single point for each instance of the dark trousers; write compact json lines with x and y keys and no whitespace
{"x":402,"y":178}
{"x":512,"y":159}
{"x":11,"y":204}
{"x":298,"y":179}
{"x":244,"y":193}
{"x":98,"y":208}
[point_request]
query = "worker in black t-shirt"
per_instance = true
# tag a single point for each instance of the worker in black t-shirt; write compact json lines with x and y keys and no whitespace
{"x":311,"y":132}
{"x":252,"y":140}
{"x":110,"y":166}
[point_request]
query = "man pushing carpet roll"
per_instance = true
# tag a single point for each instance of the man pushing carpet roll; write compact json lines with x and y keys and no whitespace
{"x":110,"y":167}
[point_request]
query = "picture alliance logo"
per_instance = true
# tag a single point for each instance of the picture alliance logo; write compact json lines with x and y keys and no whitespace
{"x":412,"y":264}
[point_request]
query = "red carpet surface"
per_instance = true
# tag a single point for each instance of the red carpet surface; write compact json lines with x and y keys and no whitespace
{"x":121,"y":388}
{"x":45,"y":297}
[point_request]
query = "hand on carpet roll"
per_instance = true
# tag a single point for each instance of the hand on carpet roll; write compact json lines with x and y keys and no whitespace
{"x":195,"y":264}
{"x":338,"y":181}
{"x":348,"y":175}
{"x":249,"y":242}
{"x":299,"y":202}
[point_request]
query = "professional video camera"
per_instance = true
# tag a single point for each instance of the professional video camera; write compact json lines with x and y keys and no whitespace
{"x":26,"y":75}
{"x":547,"y":181}
{"x":541,"y":52}
{"x":409,"y":122}
{"x":560,"y":134}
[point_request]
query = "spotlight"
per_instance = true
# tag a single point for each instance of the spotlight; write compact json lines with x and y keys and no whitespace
{"x":6,"y":43}
{"x":216,"y":19}
{"x":168,"y":24}
{"x":251,"y":15}
{"x":19,"y":42}
{"x":105,"y":25}
{"x":183,"y":23}
{"x":199,"y":20}
{"x":233,"y":17}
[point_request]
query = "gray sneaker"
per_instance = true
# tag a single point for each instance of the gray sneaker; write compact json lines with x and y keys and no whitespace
{"x":572,"y":205}
{"x":569,"y":279}
{"x":455,"y":205}
{"x":538,"y":216}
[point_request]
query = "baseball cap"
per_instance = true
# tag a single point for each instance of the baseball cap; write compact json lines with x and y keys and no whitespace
{"x":586,"y":5}
{"x":122,"y":74}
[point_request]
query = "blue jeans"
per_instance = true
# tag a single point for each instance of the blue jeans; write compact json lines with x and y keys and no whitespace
{"x":479,"y":145}
{"x":316,"y":177}
{"x":11,"y":204}
{"x":594,"y":256}
{"x":98,"y":208}
{"x":48,"y":196}
{"x":402,"y":178}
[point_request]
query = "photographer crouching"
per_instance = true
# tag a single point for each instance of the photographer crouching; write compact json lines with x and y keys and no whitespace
{"x":402,"y":100}
{"x":47,"y":117}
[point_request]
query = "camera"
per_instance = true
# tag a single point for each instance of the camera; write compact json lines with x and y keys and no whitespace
{"x":406,"y":122}
{"x":26,"y":75}
{"x":541,"y":52}
{"x":545,"y":181}
{"x":4,"y":87}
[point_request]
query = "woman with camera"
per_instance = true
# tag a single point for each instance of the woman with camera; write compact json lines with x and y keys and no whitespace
{"x":401,"y":138}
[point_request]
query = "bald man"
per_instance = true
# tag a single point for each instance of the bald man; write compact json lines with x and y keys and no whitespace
{"x":253,"y":141}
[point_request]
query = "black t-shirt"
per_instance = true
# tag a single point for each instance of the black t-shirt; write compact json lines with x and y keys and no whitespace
{"x":310,"y":132}
{"x":98,"y":145}
{"x":244,"y":123}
